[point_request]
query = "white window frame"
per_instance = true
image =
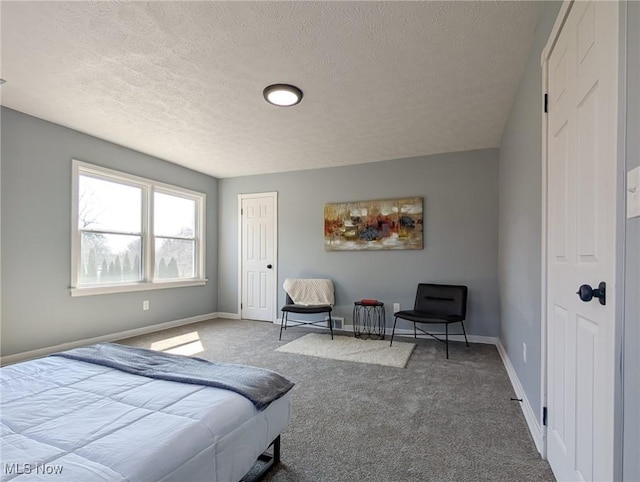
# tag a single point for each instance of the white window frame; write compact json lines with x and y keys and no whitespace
{"x":148,"y":187}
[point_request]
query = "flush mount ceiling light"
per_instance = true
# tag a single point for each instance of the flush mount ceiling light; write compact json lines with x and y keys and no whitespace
{"x":282,"y":95}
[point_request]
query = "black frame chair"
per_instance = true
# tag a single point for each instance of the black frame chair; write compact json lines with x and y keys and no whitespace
{"x":291,"y":307}
{"x":436,"y":303}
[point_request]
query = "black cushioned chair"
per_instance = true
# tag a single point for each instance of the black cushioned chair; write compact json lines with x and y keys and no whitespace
{"x":443,"y":304}
{"x":291,"y":307}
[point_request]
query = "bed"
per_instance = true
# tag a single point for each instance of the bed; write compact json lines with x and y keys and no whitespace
{"x":99,"y":421}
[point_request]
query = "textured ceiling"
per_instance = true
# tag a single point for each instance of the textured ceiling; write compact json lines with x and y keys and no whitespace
{"x":183,"y":81}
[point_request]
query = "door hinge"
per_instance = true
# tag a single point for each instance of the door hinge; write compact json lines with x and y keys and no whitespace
{"x":544,"y":416}
{"x":240,"y":305}
{"x":546,"y":103}
{"x":241,"y":211}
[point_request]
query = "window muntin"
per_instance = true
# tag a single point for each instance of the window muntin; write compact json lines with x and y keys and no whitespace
{"x":132,"y":233}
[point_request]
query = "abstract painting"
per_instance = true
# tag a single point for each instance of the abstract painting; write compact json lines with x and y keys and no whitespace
{"x":373,"y":225}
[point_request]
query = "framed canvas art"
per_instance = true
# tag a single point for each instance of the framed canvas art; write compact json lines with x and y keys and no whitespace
{"x":373,"y":225}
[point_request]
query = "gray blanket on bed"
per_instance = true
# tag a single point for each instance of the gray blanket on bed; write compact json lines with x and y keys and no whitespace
{"x":259,"y":385}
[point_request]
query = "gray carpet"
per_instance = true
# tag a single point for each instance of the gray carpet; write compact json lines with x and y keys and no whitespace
{"x":435,"y":420}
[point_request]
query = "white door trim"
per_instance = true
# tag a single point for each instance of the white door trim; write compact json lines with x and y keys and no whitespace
{"x":274,"y":195}
{"x":555,"y":32}
{"x":543,"y":265}
{"x":621,"y":247}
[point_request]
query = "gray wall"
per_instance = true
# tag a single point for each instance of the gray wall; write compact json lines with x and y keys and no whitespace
{"x":520,"y":224}
{"x":631,"y":451}
{"x":37,"y":309}
{"x":460,"y":203}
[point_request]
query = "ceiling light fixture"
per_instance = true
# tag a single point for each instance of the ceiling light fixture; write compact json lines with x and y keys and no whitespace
{"x":282,"y":95}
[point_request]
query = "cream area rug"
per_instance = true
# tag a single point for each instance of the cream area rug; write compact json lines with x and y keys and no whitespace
{"x":346,"y":348}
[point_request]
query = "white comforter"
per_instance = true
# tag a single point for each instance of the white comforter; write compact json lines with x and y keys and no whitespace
{"x":87,"y":423}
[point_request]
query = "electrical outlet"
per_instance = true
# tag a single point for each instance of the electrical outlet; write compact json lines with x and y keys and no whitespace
{"x":396,"y":307}
{"x":524,"y":352}
{"x":145,"y":305}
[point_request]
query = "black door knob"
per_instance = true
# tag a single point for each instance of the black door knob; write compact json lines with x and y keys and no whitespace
{"x":269,"y":266}
{"x":587,"y":293}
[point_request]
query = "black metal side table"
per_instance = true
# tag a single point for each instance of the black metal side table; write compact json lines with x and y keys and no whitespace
{"x":369,"y":320}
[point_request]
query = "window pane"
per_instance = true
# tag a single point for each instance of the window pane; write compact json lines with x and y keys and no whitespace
{"x":174,"y":216}
{"x":175,"y":258}
{"x":109,"y":206}
{"x":110,"y":258}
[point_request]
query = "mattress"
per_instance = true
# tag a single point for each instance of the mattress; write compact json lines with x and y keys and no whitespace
{"x":88,"y":422}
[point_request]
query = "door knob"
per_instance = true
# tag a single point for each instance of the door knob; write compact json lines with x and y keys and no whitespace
{"x":587,"y":293}
{"x":269,"y":266}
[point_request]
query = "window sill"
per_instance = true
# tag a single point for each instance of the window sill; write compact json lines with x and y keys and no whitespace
{"x":158,"y":285}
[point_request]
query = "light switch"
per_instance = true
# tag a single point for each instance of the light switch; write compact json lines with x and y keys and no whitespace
{"x":633,"y":193}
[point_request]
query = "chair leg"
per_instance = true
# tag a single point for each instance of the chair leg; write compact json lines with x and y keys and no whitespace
{"x":465,"y":333}
{"x":276,"y":450}
{"x":415,"y":332}
{"x":394,"y":329}
{"x":283,"y":323}
{"x":330,"y":325}
{"x":446,"y":335}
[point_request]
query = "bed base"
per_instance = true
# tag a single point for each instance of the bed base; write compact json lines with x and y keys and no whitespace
{"x":266,"y":461}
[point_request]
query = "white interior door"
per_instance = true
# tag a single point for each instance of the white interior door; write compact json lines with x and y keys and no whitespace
{"x":581,"y":169}
{"x":258,"y":256}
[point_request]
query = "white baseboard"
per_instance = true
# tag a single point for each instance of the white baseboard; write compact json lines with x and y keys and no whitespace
{"x":228,"y":316}
{"x":487,"y":340}
{"x":529,"y":415}
{"x":40,"y":352}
